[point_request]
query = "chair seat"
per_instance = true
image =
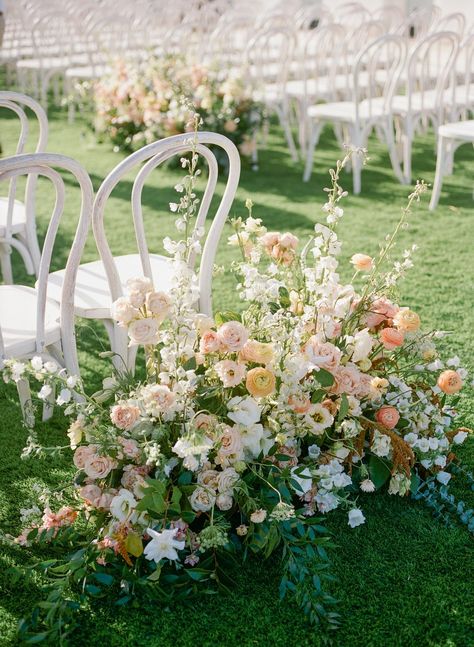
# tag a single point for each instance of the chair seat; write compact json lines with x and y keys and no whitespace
{"x":87,"y":72}
{"x":420,"y":102}
{"x":18,"y":320}
{"x":18,"y":217}
{"x":51,"y":63}
{"x":92,"y":297}
{"x":345,"y":111}
{"x":463,"y":130}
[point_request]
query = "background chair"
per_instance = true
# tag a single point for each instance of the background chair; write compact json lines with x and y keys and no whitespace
{"x":31,"y":323}
{"x":17,"y":218}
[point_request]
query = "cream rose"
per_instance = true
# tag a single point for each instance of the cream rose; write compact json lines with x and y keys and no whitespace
{"x":209,"y":343}
{"x":124,"y":416}
{"x":202,"y":499}
{"x":233,"y":336}
{"x":323,"y":354}
{"x":159,"y":304}
{"x":227,"y":479}
{"x":98,"y":467}
{"x":224,"y":502}
{"x":144,"y":331}
{"x":123,"y":312}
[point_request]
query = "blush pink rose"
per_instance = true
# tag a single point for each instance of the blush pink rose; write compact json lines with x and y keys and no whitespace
{"x":381,"y":310}
{"x":387,"y":417}
{"x":129,"y":447}
{"x":209,"y":343}
{"x":81,"y":454}
{"x":391,"y":338}
{"x":350,"y":380}
{"x":323,"y":354}
{"x":124,"y":416}
{"x":98,"y":467}
{"x":233,"y":336}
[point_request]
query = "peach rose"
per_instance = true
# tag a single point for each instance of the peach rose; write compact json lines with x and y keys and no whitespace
{"x":323,"y":354}
{"x":257,"y":352}
{"x":209,"y":343}
{"x":129,"y":447}
{"x":233,"y":336}
{"x":230,"y":442}
{"x":380,"y":310}
{"x":299,"y":404}
{"x":269,"y":240}
{"x":387,"y":417}
{"x":362,"y":262}
{"x":260,"y":382}
{"x":391,"y":338}
{"x":124,"y":416}
{"x":406,"y":320}
{"x":81,"y":454}
{"x":98,"y":467}
{"x":231,"y":373}
{"x":450,"y":382}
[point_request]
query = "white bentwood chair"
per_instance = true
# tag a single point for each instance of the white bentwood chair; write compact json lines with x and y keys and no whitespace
{"x":374,"y":80}
{"x":31,"y":323}
{"x":100,"y":283}
{"x":17,"y":218}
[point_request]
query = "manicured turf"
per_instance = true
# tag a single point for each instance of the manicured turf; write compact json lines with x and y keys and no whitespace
{"x":403,"y":578}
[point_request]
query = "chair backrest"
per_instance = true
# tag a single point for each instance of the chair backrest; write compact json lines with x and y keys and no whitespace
{"x":429,"y":69}
{"x":319,"y":68}
{"x":17,"y":102}
{"x":391,"y":15}
{"x":151,"y":156}
{"x":352,"y":14}
{"x":269,"y":55}
{"x":377,"y":71}
{"x":451,"y":22}
{"x":46,"y":164}
{"x":463,"y":80}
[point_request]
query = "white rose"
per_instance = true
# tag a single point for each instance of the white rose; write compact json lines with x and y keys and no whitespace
{"x":158,"y":303}
{"x":123,"y":312}
{"x":140,"y":284}
{"x":226,"y":480}
{"x":144,"y":331}
{"x":123,"y":505}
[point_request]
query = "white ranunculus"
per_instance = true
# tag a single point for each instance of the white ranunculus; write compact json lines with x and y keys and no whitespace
{"x":303,"y":479}
{"x":356,"y":518}
{"x":123,"y":505}
{"x":244,"y":411}
{"x":144,"y":331}
{"x":163,"y":545}
{"x":363,"y":343}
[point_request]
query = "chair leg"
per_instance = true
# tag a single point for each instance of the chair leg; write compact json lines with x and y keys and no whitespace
{"x":440,"y":165}
{"x":283,"y":116}
{"x":24,"y":396}
{"x":6,"y":263}
{"x":392,"y":150}
{"x":314,"y":132}
{"x":407,"y":149}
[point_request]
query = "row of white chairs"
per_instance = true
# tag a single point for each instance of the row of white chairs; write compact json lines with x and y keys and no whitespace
{"x":40,"y":320}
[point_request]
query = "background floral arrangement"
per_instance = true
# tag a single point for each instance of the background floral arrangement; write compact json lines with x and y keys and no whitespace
{"x":140,"y":102}
{"x":249,"y":427}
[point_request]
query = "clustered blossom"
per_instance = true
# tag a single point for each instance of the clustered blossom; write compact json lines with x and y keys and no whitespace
{"x":141,"y":102}
{"x":317,"y":385}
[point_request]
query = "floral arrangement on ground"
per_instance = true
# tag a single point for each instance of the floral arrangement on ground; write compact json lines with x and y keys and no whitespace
{"x":249,"y":428}
{"x":142,"y":101}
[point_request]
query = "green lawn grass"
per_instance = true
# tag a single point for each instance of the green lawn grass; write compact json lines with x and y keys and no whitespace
{"x":403,"y":578}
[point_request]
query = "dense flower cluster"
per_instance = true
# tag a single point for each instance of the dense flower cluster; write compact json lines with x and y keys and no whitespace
{"x":141,"y":102}
{"x":252,"y":424}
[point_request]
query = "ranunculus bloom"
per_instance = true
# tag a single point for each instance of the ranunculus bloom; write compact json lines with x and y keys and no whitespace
{"x":388,"y":417}
{"x":233,"y":336}
{"x":391,"y":338}
{"x":406,"y":320}
{"x":209,"y":343}
{"x":124,"y":416}
{"x":144,"y":331}
{"x":362,"y":262}
{"x":450,"y":382}
{"x":260,"y":382}
{"x":231,"y":373}
{"x":257,"y":352}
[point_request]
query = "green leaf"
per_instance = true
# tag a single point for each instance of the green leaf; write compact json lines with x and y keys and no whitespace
{"x":378,"y":470}
{"x":104,"y":578}
{"x":325,"y":378}
{"x":318,"y":395}
{"x":185,"y":478}
{"x":402,"y":423}
{"x":343,"y":408}
{"x":227,"y":315}
{"x":415,"y":483}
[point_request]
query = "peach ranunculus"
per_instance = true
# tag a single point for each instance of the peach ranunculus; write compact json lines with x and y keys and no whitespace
{"x":233,"y":336}
{"x":299,"y":404}
{"x":209,"y":343}
{"x":322,"y":354}
{"x":257,"y":352}
{"x":391,"y":338}
{"x":158,"y":304}
{"x":387,"y":417}
{"x":124,"y":416}
{"x":362,"y":262}
{"x":260,"y":382}
{"x":379,"y":311}
{"x":450,"y":382}
{"x":406,"y":320}
{"x":98,"y":467}
{"x":231,"y":373}
{"x":281,"y":247}
{"x":144,"y":331}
